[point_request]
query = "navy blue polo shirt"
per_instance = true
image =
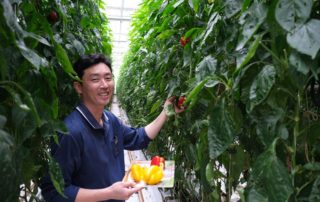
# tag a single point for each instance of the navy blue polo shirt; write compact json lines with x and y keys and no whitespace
{"x":92,"y":156}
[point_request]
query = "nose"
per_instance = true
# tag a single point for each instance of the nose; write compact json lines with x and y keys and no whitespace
{"x":103,"y":83}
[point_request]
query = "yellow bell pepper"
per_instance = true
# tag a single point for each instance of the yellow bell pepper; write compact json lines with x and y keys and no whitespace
{"x":151,"y":176}
{"x":137,"y":172}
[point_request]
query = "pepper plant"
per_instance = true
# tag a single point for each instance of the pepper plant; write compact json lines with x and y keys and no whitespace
{"x":39,"y":40}
{"x":250,"y":73}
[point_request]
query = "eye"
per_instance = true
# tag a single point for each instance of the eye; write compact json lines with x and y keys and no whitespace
{"x":95,"y":80}
{"x":108,"y":78}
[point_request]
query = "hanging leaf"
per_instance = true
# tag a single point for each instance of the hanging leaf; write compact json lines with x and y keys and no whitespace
{"x":194,"y":4}
{"x":293,"y":13}
{"x":63,"y":58}
{"x":211,"y":23}
{"x":206,"y":68}
{"x":56,"y":176}
{"x":231,"y":8}
{"x":31,"y":56}
{"x":269,"y":179}
{"x":192,"y":96}
{"x":315,"y":191}
{"x":225,"y":124}
{"x":243,"y":60}
{"x":253,"y":18}
{"x":305,"y":38}
{"x":300,"y":62}
{"x":262,"y":85}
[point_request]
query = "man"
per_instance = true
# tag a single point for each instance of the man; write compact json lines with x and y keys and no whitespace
{"x":91,"y":156}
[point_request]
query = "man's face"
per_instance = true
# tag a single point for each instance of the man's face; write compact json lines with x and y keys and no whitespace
{"x":97,"y":86}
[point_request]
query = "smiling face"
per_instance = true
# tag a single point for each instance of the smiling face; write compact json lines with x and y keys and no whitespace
{"x":97,"y":86}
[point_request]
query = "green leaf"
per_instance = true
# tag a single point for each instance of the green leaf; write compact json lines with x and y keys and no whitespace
{"x":313,"y":166}
{"x":245,"y":5}
{"x":305,"y":38}
{"x":12,"y":22}
{"x":156,"y":105}
{"x":243,"y":60}
{"x":79,"y":47}
{"x":193,"y":32}
{"x":31,"y":56}
{"x":56,"y":176}
{"x":315,"y":191}
{"x":187,"y":55}
{"x":27,"y":96}
{"x":293,"y":13}
{"x":267,"y":119}
{"x":238,"y":162}
{"x":254,"y":17}
{"x":192,"y":95}
{"x":262,"y":85}
{"x":231,"y":8}
{"x":178,"y":3}
{"x":269,"y":179}
{"x":225,"y":124}
{"x":300,"y":62}
{"x":194,"y":4}
{"x":3,"y":121}
{"x":63,"y":58}
{"x":211,"y":23}
{"x":206,"y":68}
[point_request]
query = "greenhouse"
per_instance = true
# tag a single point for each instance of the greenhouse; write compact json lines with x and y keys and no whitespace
{"x":160,"y":100}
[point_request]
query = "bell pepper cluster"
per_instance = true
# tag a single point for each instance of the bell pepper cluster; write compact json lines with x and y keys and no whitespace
{"x":150,"y":175}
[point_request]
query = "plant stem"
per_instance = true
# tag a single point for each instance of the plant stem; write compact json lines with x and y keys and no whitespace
{"x":295,"y":135}
{"x":229,"y":188}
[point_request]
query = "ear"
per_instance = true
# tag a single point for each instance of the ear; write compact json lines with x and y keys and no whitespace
{"x":78,"y":87}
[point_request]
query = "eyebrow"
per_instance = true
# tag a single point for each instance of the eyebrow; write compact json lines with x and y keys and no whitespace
{"x":97,"y":74}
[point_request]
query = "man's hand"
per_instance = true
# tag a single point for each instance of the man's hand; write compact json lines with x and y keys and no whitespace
{"x":117,"y":191}
{"x":171,"y":101}
{"x":123,"y":190}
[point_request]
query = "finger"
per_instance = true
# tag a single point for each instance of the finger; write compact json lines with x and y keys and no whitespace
{"x":129,"y":184}
{"x":135,"y":189}
{"x":172,"y":98}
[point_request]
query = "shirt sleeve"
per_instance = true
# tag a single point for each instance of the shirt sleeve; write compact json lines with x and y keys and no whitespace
{"x":133,"y":138}
{"x":67,"y":154}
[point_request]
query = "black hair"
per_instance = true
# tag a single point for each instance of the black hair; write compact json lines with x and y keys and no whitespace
{"x":87,"y":61}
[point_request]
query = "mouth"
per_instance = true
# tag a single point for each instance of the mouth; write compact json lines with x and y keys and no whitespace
{"x":104,"y":94}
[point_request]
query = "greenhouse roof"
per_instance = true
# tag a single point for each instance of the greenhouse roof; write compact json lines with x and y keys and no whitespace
{"x":119,"y":14}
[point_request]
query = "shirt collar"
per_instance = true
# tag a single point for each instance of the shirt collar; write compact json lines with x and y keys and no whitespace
{"x":89,"y":117}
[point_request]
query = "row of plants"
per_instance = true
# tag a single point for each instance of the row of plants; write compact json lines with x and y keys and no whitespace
{"x":39,"y":41}
{"x":250,"y":73}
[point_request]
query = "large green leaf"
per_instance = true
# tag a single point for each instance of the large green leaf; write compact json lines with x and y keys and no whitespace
{"x":56,"y":176}
{"x":315,"y":191}
{"x":305,"y":38}
{"x":11,"y":20}
{"x":269,"y":179}
{"x":206,"y":68}
{"x":28,"y":104}
{"x":293,"y":13}
{"x":63,"y":58}
{"x":32,"y":56}
{"x":214,"y":18}
{"x":245,"y":58}
{"x":225,"y":124}
{"x":267,"y":119}
{"x":262,"y":85}
{"x":231,"y":8}
{"x":300,"y":62}
{"x":194,"y":4}
{"x":251,"y":20}
{"x":8,"y":173}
